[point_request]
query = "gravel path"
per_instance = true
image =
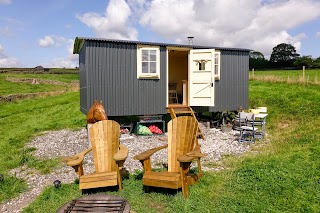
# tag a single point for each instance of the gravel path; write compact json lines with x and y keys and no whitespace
{"x":67,"y":143}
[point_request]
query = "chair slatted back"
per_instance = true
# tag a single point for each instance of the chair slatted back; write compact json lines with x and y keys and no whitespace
{"x":104,"y":136}
{"x":182,"y":136}
{"x":245,"y":116}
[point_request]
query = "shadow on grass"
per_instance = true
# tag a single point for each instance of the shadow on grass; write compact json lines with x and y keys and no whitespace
{"x":164,"y":191}
{"x":100,"y":190}
{"x":138,"y":175}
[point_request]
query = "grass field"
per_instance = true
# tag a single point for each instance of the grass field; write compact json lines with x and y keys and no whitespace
{"x":281,"y":175}
{"x":7,"y":87}
{"x":288,"y":76}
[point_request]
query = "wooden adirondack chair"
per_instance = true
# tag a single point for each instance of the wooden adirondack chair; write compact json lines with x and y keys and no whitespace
{"x":108,"y":157}
{"x":183,"y":148}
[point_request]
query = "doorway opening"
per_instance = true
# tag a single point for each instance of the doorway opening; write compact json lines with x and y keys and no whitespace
{"x":178,"y":76}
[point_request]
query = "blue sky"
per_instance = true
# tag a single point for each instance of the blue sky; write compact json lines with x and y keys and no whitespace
{"x":38,"y":32}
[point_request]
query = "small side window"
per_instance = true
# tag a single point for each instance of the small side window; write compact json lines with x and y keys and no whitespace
{"x":148,"y":62}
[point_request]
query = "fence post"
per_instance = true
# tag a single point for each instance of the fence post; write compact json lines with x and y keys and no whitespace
{"x":252,"y":73}
{"x":303,"y":68}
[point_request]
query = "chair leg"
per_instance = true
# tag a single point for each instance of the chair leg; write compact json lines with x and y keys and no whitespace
{"x":199,"y":167}
{"x":241,"y":136}
{"x":184,"y":168}
{"x":119,"y":179}
{"x":78,"y":169}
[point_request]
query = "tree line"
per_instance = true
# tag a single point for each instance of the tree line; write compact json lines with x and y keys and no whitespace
{"x":283,"y":56}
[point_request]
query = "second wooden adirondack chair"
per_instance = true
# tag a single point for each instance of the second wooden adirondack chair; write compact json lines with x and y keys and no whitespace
{"x":183,"y":148}
{"x":108,"y":155}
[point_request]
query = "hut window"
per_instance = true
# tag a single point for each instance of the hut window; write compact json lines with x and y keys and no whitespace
{"x":217,"y":65}
{"x":148,"y":62}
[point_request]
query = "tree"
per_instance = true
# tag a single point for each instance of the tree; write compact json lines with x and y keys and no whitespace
{"x":316,"y":62}
{"x":306,"y":61}
{"x":256,"y":55}
{"x":257,"y":60}
{"x":283,"y":55}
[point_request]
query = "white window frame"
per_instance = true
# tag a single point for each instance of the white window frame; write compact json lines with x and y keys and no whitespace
{"x":217,"y":65}
{"x":142,"y":75}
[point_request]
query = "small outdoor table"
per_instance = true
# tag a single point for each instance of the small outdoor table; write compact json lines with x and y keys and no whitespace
{"x":261,"y":118}
{"x":97,"y":203}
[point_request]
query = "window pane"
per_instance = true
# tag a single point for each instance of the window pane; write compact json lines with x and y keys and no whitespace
{"x":145,"y":67}
{"x":216,"y":61}
{"x":145,"y":55}
{"x":216,"y":71}
{"x":153,"y":67}
{"x":153,"y":55}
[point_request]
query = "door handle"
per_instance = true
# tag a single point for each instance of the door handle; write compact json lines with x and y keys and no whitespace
{"x":211,"y":84}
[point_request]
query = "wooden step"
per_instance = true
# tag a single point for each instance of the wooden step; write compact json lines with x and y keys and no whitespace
{"x":183,"y":112}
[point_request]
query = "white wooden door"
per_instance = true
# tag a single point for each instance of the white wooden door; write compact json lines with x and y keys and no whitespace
{"x":201,"y":77}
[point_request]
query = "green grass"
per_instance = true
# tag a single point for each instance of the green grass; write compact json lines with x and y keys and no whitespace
{"x":11,"y":187}
{"x":290,"y":76}
{"x":64,"y":70}
{"x":7,"y":87}
{"x":21,"y":121}
{"x":282,"y":175}
{"x":67,"y":78}
{"x":51,"y":70}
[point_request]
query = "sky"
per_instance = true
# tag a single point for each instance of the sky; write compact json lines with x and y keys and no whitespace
{"x":41,"y":33}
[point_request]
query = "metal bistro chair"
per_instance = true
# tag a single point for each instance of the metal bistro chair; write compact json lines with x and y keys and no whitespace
{"x":173,"y":95}
{"x":248,"y":131}
{"x":263,"y":111}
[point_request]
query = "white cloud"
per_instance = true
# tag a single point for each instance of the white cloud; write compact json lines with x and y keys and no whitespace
{"x":114,"y":23}
{"x":71,"y":61}
{"x":258,"y":25}
{"x":6,"y":61}
{"x":5,"y":1}
{"x":5,"y":31}
{"x":318,"y":35}
{"x":52,"y":41}
{"x":47,"y":41}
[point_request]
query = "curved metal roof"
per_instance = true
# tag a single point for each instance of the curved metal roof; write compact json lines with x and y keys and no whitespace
{"x":79,"y":41}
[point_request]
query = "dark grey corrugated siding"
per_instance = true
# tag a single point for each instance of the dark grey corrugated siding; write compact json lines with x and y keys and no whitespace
{"x":232,"y":90}
{"x":111,"y":76}
{"x":83,"y":81}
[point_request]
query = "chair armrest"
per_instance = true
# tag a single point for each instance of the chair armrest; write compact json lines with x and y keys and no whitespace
{"x":76,"y":159}
{"x":148,"y":153}
{"x":185,"y":159}
{"x":196,"y":152}
{"x":122,"y":154}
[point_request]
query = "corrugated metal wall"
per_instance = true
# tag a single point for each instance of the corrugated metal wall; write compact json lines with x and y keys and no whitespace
{"x":232,"y":90}
{"x":111,"y":76}
{"x":108,"y":72}
{"x":83,"y":81}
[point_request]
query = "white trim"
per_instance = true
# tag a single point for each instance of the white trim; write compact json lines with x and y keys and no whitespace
{"x":142,"y":75}
{"x":167,"y":79}
{"x":217,"y":65}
